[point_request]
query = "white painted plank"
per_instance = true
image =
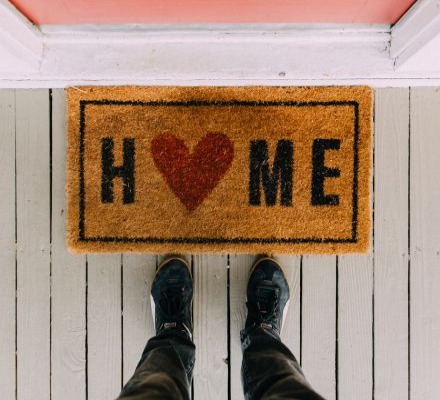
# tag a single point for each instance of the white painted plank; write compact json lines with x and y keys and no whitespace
{"x":104,"y":327}
{"x":319,"y":323}
{"x":291,"y":330}
{"x":239,"y":267}
{"x":33,"y":245}
{"x":210,"y":327}
{"x":391,"y":245}
{"x":138,"y":324}
{"x":68,"y":278}
{"x":7,"y":244}
{"x":425,"y":243}
{"x":355,"y":324}
{"x":355,"y":327}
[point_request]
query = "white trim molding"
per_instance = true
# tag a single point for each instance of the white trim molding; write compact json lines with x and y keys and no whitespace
{"x":415,"y":30}
{"x":19,"y":37}
{"x":209,"y":54}
{"x":223,"y":53}
{"x":267,"y":54}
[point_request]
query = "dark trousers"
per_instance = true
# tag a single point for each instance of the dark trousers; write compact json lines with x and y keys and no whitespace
{"x":269,"y":369}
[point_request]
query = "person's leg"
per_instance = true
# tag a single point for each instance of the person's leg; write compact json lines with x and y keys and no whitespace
{"x":269,"y":369}
{"x":166,"y":366}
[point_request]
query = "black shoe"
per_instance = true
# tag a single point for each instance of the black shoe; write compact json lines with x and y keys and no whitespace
{"x":267,"y":295}
{"x":172,"y":292}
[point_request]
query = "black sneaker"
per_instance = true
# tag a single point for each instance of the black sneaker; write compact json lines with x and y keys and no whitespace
{"x":172,"y":292}
{"x":267,"y":295}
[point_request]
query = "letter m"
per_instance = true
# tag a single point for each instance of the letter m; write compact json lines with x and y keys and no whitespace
{"x":261,"y":175}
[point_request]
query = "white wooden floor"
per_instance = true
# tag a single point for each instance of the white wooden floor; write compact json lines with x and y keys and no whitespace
{"x":363,"y":327}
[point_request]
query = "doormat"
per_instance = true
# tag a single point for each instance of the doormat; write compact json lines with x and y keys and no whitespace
{"x":208,"y":169}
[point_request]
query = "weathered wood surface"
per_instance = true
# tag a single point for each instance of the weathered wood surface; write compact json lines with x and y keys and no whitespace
{"x":355,"y":327}
{"x":210,"y":326}
{"x":391,"y":244}
{"x":7,"y":244}
{"x":80,"y":323}
{"x":425,"y":244}
{"x":318,"y":351}
{"x":68,"y":348}
{"x":104,"y":331}
{"x":239,"y":267}
{"x":137,"y":323}
{"x":33,"y":244}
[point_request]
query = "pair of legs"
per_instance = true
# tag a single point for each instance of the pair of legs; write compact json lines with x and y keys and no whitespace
{"x":269,"y":369}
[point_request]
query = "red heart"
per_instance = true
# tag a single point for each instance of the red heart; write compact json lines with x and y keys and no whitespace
{"x":192,"y":176}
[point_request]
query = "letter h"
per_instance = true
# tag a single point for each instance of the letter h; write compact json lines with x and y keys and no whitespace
{"x":109,"y":171}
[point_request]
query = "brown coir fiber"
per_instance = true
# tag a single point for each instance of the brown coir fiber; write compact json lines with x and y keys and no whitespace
{"x":206,"y":169}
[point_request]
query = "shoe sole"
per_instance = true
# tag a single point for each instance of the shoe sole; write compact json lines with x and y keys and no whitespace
{"x":286,"y":307}
{"x":162,"y":264}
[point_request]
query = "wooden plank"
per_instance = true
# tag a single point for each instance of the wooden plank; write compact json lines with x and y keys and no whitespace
{"x":68,"y":278}
{"x":138,"y":325}
{"x":7,"y":244}
{"x":33,"y":244}
{"x":239,"y":267}
{"x":425,"y":243}
{"x":355,"y":327}
{"x":211,"y":329}
{"x":104,"y":329}
{"x":355,"y":324}
{"x":291,"y":330}
{"x":391,"y":245}
{"x":318,"y":352}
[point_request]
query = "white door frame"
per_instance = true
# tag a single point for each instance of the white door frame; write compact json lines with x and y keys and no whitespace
{"x":272,"y":54}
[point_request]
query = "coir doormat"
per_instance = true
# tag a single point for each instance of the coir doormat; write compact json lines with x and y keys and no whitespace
{"x":243,"y":169}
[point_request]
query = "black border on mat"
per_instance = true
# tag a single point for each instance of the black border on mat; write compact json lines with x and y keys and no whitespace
{"x":209,"y":240}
